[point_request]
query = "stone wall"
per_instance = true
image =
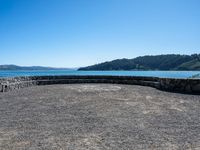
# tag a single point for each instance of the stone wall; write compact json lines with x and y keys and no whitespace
{"x":9,"y":84}
{"x":167,"y":84}
{"x":180,"y":85}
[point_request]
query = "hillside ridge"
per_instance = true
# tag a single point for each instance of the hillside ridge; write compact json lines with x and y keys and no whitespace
{"x":15,"y":67}
{"x":150,"y":62}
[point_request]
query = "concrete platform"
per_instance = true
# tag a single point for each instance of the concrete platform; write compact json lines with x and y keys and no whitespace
{"x":98,"y":116}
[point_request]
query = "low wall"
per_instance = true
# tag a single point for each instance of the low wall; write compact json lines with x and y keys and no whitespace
{"x":167,"y":84}
{"x":180,"y":85}
{"x":9,"y":84}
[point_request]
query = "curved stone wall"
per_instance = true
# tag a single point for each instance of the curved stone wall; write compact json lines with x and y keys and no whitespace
{"x":180,"y":85}
{"x":167,"y":84}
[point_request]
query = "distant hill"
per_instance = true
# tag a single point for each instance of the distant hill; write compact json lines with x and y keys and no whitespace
{"x":14,"y":67}
{"x":158,"y":62}
{"x":191,"y":65}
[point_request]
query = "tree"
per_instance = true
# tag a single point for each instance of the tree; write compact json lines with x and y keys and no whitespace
{"x":196,"y":56}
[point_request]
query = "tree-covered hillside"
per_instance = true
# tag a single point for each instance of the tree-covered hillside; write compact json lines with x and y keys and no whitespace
{"x":158,"y":62}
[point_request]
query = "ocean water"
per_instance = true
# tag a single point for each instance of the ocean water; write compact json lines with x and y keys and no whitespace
{"x":167,"y":74}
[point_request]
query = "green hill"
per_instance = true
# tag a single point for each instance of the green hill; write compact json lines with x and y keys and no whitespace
{"x":158,"y":62}
{"x":191,"y":65}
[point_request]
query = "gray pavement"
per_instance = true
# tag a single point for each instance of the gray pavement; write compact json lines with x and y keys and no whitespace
{"x":98,"y":116}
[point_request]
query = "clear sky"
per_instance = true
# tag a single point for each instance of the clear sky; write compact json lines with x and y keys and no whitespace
{"x":74,"y":33}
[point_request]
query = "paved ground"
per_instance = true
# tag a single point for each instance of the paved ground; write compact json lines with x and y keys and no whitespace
{"x":98,"y":116}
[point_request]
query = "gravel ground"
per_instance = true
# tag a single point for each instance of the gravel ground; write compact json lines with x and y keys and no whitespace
{"x":98,"y":116}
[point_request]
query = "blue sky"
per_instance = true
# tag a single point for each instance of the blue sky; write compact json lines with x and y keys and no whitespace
{"x":74,"y":33}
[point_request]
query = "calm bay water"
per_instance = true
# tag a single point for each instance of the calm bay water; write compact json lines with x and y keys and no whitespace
{"x":168,"y":74}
